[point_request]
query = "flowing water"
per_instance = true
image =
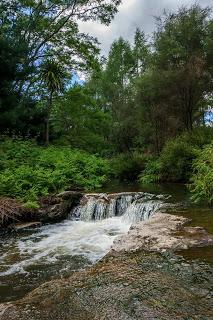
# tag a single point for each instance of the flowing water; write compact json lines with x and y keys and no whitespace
{"x":51,"y":251}
{"x":30,"y":258}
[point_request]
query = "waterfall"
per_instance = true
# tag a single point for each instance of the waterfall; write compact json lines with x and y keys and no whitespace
{"x":133,"y":206}
{"x":139,"y":211}
{"x":77,"y":236}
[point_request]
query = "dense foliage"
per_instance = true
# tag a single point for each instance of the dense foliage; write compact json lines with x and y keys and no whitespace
{"x":175,"y":163}
{"x":128,"y":166}
{"x":28,"y":171}
{"x":202,"y":178}
{"x":147,"y":106}
{"x":33,"y":32}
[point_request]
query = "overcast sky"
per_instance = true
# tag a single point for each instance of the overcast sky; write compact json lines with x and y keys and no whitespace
{"x":133,"y":14}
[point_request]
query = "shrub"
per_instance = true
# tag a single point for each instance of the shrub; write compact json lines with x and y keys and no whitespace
{"x":28,"y":171}
{"x":176,"y":161}
{"x":201,"y":185}
{"x":127,"y":167}
{"x":173,"y":165}
{"x":198,"y":137}
{"x":14,"y":152}
{"x":151,"y":174}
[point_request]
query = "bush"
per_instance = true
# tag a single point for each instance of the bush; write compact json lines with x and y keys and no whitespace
{"x":173,"y":165}
{"x":201,"y":185}
{"x":127,"y":167}
{"x":151,"y":174}
{"x":28,"y":171}
{"x":198,"y":137}
{"x":14,"y":152}
{"x":176,"y":161}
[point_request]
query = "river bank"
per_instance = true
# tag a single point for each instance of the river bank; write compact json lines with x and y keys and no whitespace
{"x":15,"y":216}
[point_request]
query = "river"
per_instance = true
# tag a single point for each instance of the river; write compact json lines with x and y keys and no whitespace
{"x":32,"y":257}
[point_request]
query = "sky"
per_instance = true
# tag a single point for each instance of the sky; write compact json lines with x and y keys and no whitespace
{"x":133,"y":14}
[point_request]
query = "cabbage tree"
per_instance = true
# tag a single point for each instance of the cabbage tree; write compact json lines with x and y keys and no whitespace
{"x":53,"y":77}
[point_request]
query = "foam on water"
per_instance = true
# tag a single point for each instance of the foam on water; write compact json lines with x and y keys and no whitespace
{"x":76,"y":238}
{"x":90,"y":231}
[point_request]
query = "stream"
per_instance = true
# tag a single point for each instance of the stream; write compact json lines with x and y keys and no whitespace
{"x":34,"y":256}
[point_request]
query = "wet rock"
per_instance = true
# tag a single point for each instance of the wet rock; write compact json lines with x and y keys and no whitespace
{"x":56,"y":208}
{"x":53,"y":208}
{"x":67,"y":195}
{"x":162,"y":232}
{"x":26,"y":225}
{"x":132,"y":286}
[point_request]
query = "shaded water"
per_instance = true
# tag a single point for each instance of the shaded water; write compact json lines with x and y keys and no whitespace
{"x":201,"y":253}
{"x":32,"y":257}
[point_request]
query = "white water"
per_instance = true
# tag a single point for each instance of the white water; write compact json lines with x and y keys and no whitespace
{"x":89,"y":239}
{"x":100,"y":221}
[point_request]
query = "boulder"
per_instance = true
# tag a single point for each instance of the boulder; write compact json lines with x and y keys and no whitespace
{"x":53,"y":208}
{"x":162,"y":232}
{"x":56,"y":208}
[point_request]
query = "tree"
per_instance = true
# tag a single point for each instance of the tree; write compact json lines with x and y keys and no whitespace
{"x":16,"y":117}
{"x":33,"y":31}
{"x":49,"y":30}
{"x":181,"y":46}
{"x":155,"y":120}
{"x":53,"y":76}
{"x":173,"y":94}
{"x":141,"y":52}
{"x":11,"y":54}
{"x":117,"y":90}
{"x":80,"y":122}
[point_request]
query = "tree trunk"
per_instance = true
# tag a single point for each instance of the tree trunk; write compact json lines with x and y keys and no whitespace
{"x":49,"y":107}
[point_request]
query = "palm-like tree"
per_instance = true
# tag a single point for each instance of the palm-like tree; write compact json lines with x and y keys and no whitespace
{"x":53,"y":77}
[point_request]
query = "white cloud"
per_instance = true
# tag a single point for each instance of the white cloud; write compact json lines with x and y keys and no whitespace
{"x":133,"y":14}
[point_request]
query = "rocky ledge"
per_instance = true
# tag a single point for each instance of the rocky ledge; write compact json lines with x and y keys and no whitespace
{"x":163,"y":232}
{"x":140,"y":278}
{"x":14,"y":216}
{"x":58,"y":207}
